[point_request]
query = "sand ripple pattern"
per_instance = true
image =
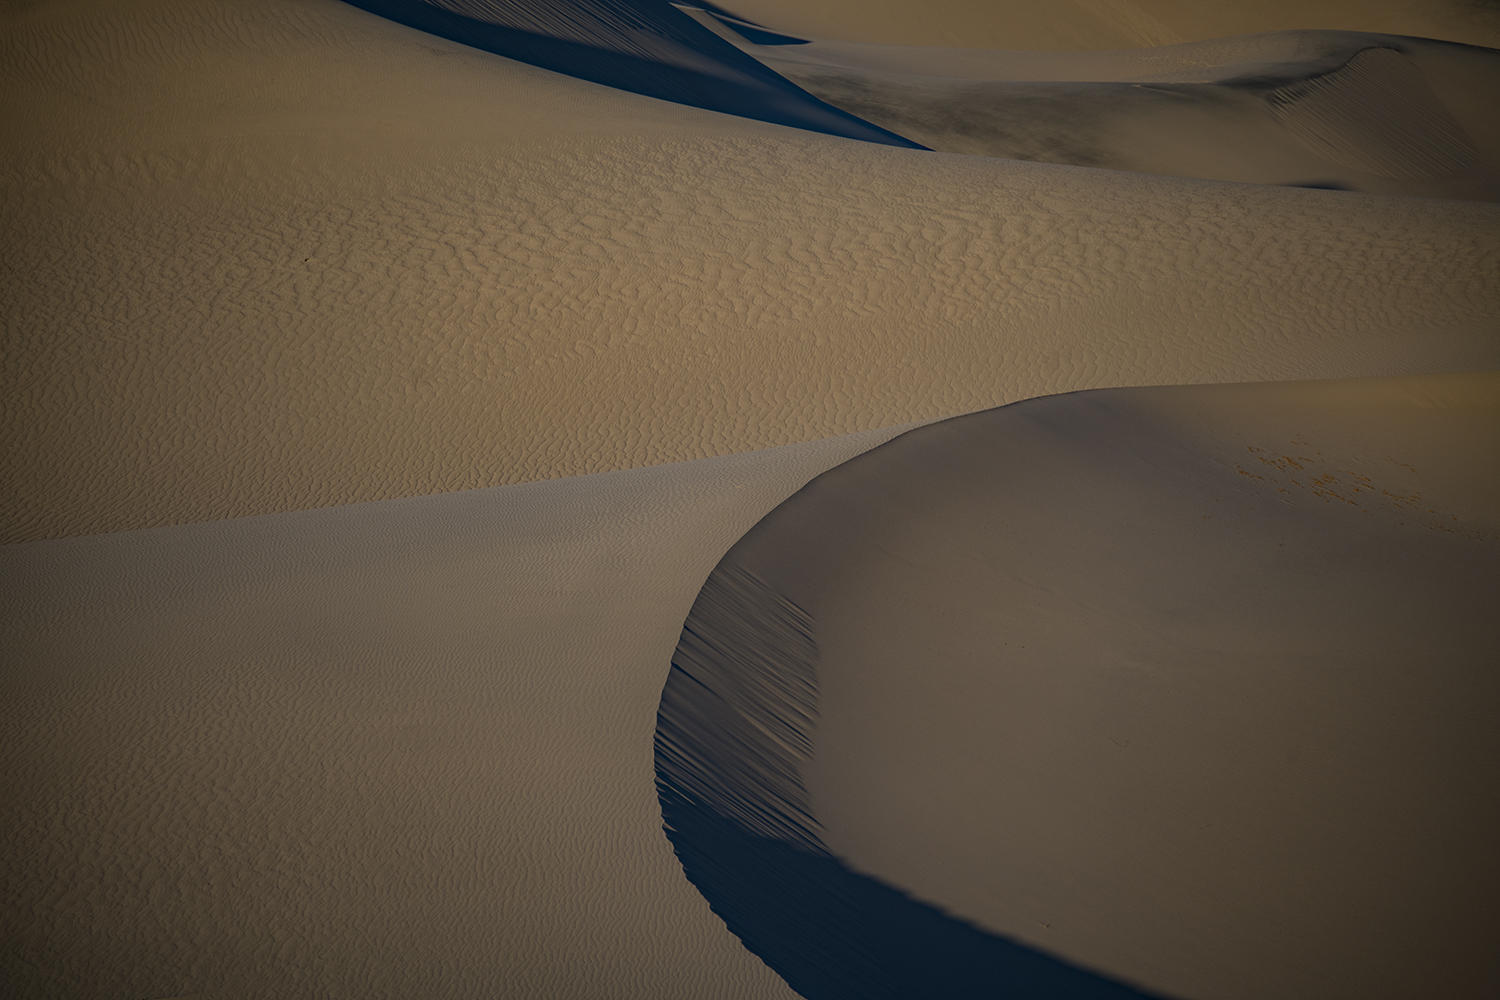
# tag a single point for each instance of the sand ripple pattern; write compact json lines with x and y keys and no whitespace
{"x":426,"y":269}
{"x":1376,"y":114}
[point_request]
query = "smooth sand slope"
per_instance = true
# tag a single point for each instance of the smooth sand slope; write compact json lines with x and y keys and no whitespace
{"x":1335,"y":109}
{"x":269,"y":255}
{"x":388,"y":750}
{"x":1194,"y":686}
{"x":1063,"y":25}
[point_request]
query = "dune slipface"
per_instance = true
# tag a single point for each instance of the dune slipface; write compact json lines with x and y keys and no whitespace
{"x":1191,"y":687}
{"x":643,"y":46}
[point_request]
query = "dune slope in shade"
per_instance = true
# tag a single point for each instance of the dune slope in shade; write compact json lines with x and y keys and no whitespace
{"x":643,"y":46}
{"x":269,"y":256}
{"x":1112,"y":24}
{"x":1194,"y":685}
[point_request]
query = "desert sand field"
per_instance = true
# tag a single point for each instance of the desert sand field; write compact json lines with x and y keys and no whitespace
{"x":376,"y":406}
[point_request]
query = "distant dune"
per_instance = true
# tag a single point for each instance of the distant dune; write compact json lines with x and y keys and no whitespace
{"x":584,"y":304}
{"x":274,"y":255}
{"x":1345,"y":110}
{"x":1093,"y":25}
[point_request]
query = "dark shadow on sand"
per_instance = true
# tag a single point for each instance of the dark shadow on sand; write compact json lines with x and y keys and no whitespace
{"x":734,"y":728}
{"x":644,"y":46}
{"x":834,"y":934}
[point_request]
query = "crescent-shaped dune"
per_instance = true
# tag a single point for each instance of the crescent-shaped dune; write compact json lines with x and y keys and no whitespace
{"x":1193,"y":686}
{"x":268,"y":262}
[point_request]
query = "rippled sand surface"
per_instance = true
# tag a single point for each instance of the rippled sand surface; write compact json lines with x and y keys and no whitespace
{"x":266,"y":261}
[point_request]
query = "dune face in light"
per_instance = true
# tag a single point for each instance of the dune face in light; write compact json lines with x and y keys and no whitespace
{"x":1092,"y":25}
{"x":271,"y":256}
{"x":1342,"y":109}
{"x":1195,"y":685}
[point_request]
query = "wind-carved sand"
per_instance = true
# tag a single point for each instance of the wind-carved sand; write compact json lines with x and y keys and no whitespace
{"x":278,"y":257}
{"x":1191,"y":686}
{"x":269,"y":256}
{"x":1333,"y":109}
{"x":1099,"y":25}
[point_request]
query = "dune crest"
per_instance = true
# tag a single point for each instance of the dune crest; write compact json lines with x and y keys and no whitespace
{"x":1189,"y":684}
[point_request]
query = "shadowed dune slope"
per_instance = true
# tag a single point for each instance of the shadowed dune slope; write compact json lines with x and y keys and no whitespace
{"x":388,"y":750}
{"x":268,"y":255}
{"x":643,"y":46}
{"x":1191,"y":684}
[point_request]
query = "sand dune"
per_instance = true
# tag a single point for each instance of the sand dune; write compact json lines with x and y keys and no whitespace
{"x":271,"y":256}
{"x":1193,"y":685}
{"x":1111,"y":24}
{"x":396,"y":749}
{"x":1345,"y":110}
{"x":281,"y":257}
{"x":641,"y":48}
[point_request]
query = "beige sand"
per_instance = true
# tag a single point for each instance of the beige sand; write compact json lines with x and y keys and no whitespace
{"x":1352,"y":110}
{"x":1192,"y":685}
{"x":398,"y":749}
{"x":1112,"y":24}
{"x":271,"y":255}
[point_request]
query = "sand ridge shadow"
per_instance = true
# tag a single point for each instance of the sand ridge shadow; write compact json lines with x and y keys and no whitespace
{"x":646,"y":47}
{"x":735,"y":723}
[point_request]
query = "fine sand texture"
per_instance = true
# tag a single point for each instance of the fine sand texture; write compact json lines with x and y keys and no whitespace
{"x":1348,"y":110}
{"x":268,"y":255}
{"x":387,"y":750}
{"x":1193,"y":686}
{"x":1064,"y":25}
{"x":266,"y":260}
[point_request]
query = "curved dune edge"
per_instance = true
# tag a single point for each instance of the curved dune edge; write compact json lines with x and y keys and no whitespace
{"x":390,"y":749}
{"x":275,"y":256}
{"x":733,"y":735}
{"x":1188,"y":685}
